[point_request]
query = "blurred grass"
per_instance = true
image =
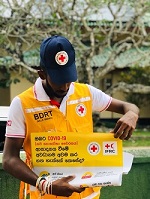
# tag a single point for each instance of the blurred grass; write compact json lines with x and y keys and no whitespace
{"x":139,"y":138}
{"x":136,"y":143}
{"x":139,"y":132}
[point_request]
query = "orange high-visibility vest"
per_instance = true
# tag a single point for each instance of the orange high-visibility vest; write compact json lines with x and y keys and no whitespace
{"x":41,"y":116}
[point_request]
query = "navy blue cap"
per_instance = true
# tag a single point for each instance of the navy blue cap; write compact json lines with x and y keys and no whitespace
{"x":57,"y":57}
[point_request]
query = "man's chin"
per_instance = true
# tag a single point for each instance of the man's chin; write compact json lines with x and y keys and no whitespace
{"x":60,"y":95}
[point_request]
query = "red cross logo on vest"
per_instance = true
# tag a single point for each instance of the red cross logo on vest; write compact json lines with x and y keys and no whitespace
{"x":94,"y":148}
{"x":61,"y":58}
{"x":81,"y":110}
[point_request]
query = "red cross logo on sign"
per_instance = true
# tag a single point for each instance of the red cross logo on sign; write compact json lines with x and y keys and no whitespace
{"x":61,"y":58}
{"x":94,"y":148}
{"x":110,"y":148}
{"x":81,"y":110}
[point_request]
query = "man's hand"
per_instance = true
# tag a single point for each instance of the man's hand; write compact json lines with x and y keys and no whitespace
{"x":61,"y":187}
{"x":125,"y":126}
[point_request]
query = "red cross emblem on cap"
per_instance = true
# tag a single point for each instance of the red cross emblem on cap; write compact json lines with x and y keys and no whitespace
{"x":61,"y":58}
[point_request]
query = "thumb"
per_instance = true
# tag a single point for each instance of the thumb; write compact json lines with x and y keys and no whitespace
{"x":111,"y":131}
{"x":69,"y":178}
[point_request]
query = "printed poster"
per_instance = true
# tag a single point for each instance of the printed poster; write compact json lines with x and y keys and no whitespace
{"x":96,"y":159}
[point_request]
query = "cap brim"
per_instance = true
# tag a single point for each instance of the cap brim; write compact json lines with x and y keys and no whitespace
{"x":63,"y":75}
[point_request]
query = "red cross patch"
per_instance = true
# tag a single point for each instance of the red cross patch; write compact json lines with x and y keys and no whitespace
{"x":81,"y":110}
{"x":9,"y":122}
{"x":94,"y":148}
{"x":61,"y":58}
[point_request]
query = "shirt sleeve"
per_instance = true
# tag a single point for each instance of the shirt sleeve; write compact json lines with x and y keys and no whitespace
{"x":100,"y":100}
{"x":16,"y":122}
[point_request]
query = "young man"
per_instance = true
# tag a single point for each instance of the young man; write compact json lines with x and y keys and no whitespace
{"x":56,"y":93}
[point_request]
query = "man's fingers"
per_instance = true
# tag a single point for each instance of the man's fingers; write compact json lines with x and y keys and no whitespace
{"x":125,"y":133}
{"x":116,"y":128}
{"x":129,"y":134}
{"x":119,"y":131}
{"x":79,"y":189}
{"x":72,"y":188}
{"x":68,"y":178}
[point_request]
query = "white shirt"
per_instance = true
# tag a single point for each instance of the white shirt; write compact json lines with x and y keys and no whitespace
{"x":16,"y":121}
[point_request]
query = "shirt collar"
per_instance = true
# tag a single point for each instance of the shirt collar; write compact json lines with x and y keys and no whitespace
{"x":40,"y":93}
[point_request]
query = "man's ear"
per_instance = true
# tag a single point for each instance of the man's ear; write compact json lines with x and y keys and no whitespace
{"x":42,"y":74}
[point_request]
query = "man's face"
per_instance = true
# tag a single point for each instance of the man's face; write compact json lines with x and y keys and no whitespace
{"x":58,"y":90}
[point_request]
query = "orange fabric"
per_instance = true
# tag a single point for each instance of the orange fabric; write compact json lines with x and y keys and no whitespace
{"x":35,"y":195}
{"x":41,"y":116}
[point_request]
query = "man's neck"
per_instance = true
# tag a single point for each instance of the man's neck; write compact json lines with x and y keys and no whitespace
{"x":59,"y":100}
{"x":49,"y":91}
